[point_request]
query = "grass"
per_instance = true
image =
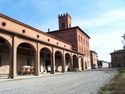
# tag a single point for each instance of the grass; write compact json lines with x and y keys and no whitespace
{"x":116,"y":85}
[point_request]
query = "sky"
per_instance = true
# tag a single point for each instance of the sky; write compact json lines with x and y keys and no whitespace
{"x":102,"y":20}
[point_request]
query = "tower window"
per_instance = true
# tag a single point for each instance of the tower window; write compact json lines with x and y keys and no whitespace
{"x":63,"y":25}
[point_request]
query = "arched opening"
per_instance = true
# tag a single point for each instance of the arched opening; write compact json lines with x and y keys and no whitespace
{"x":4,"y":57}
{"x":81,"y":65}
{"x":68,"y":66}
{"x":75,"y":62}
{"x":25,"y":59}
{"x":45,"y":60}
{"x":58,"y":61}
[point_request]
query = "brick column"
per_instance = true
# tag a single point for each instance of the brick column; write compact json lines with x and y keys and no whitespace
{"x":37,"y":61}
{"x":78,"y":63}
{"x":11,"y":63}
{"x":63,"y":62}
{"x":82,"y":63}
{"x":52,"y":62}
{"x":71,"y":67}
{"x":13,"y":56}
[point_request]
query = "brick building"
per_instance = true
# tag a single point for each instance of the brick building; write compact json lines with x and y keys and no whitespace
{"x":78,"y":39}
{"x":26,"y":50}
{"x":118,"y":58}
{"x":93,"y":58}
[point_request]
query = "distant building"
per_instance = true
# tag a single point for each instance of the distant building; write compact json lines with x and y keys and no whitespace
{"x":118,"y":58}
{"x":93,"y":58}
{"x":103,"y":64}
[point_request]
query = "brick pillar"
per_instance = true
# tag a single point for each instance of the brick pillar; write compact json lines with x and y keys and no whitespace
{"x":82,"y":63}
{"x":71,"y":67}
{"x":11,"y":63}
{"x":37,"y":61}
{"x":63,"y":62}
{"x":52,"y":62}
{"x":78,"y":62}
{"x":13,"y":55}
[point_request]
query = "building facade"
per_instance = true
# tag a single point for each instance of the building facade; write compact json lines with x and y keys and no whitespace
{"x":103,"y":64}
{"x":93,"y":58}
{"x":75,"y":36}
{"x":118,"y":58}
{"x":27,"y":50}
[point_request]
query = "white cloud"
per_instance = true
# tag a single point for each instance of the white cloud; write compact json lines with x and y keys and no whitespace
{"x":103,"y":19}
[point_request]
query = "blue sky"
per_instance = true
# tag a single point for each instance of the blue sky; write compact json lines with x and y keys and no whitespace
{"x":102,"y":20}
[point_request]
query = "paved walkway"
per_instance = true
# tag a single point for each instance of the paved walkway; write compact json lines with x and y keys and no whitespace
{"x":87,"y":82}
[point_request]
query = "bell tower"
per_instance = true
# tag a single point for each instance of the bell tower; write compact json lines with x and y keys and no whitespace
{"x":64,"y":21}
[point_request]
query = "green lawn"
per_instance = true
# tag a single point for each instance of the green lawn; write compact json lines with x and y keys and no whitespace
{"x":116,"y":85}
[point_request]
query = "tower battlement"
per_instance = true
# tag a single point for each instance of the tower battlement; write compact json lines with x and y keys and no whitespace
{"x":64,"y":21}
{"x":64,"y":15}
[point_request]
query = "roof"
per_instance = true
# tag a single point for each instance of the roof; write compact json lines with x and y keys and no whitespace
{"x":93,"y":51}
{"x":119,"y":52}
{"x":30,"y":27}
{"x":63,"y":30}
{"x":103,"y":61}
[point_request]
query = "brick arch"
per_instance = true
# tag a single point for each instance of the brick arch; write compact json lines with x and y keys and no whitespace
{"x":26,"y":57}
{"x":74,"y":54}
{"x":29,"y":44}
{"x":59,"y":50}
{"x":45,"y":59}
{"x":6,"y":40}
{"x":58,"y":61}
{"x":75,"y":61}
{"x":81,"y":63}
{"x":68,"y":62}
{"x":46,"y":48}
{"x":67,"y":52}
{"x":5,"y":58}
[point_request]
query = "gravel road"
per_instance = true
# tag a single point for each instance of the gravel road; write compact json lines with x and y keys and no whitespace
{"x":86,"y":82}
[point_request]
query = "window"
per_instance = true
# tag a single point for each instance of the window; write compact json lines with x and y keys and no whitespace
{"x":48,"y":39}
{"x":115,"y":57}
{"x":63,"y":25}
{"x":37,"y":36}
{"x":23,"y":31}
{"x":3,"y":23}
{"x":79,"y":37}
{"x":84,"y":41}
{"x":0,"y":61}
{"x":72,"y":38}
